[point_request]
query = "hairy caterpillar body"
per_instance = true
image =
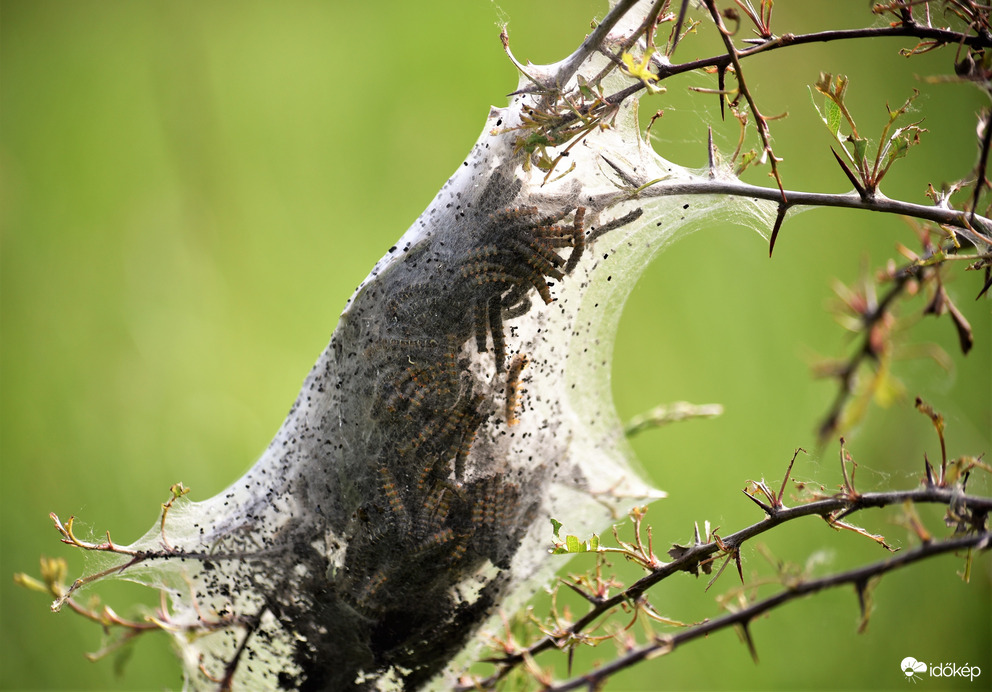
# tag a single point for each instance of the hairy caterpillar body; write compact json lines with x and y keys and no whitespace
{"x":512,"y":393}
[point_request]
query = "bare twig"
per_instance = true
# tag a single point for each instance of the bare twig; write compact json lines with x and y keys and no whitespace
{"x":670,"y":413}
{"x":593,"y":41}
{"x":690,"y":558}
{"x":721,"y":62}
{"x":759,"y":120}
{"x":977,"y":231}
{"x":859,"y":577}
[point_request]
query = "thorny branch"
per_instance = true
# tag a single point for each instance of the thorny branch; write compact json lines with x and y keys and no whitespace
{"x":929,"y":37}
{"x":593,"y":41}
{"x":761,"y":122}
{"x":690,"y":559}
{"x":936,"y":37}
{"x":874,"y":320}
{"x":53,"y":582}
{"x":979,"y":232}
{"x":968,"y":514}
{"x":859,"y":577}
{"x":701,"y":555}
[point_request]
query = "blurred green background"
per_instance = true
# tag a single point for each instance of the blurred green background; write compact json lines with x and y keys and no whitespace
{"x":191,"y":190}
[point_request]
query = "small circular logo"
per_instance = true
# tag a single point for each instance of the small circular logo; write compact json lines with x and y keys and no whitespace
{"x":911,"y":668}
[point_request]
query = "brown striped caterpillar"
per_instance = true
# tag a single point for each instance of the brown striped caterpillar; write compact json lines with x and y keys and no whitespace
{"x":512,"y":390}
{"x":524,"y":258}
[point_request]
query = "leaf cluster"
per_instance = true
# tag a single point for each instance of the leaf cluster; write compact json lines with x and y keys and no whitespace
{"x":864,"y":170}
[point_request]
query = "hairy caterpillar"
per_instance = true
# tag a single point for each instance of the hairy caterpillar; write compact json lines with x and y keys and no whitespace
{"x":512,"y":392}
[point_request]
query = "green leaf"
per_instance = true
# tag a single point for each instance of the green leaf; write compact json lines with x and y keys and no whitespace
{"x":898,"y":149}
{"x":745,"y":160}
{"x":832,"y":116}
{"x":900,"y":142}
{"x":574,"y":545}
{"x":30,"y":582}
{"x":640,"y":70}
{"x":816,"y":107}
{"x":860,"y":149}
{"x":585,"y":89}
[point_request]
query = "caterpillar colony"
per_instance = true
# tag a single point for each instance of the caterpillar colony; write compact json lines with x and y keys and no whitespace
{"x":463,"y":399}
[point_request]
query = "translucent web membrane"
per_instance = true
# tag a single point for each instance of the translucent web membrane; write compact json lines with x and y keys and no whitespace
{"x":464,"y":399}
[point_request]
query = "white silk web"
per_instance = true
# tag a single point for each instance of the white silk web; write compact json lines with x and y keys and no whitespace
{"x":463,"y":400}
